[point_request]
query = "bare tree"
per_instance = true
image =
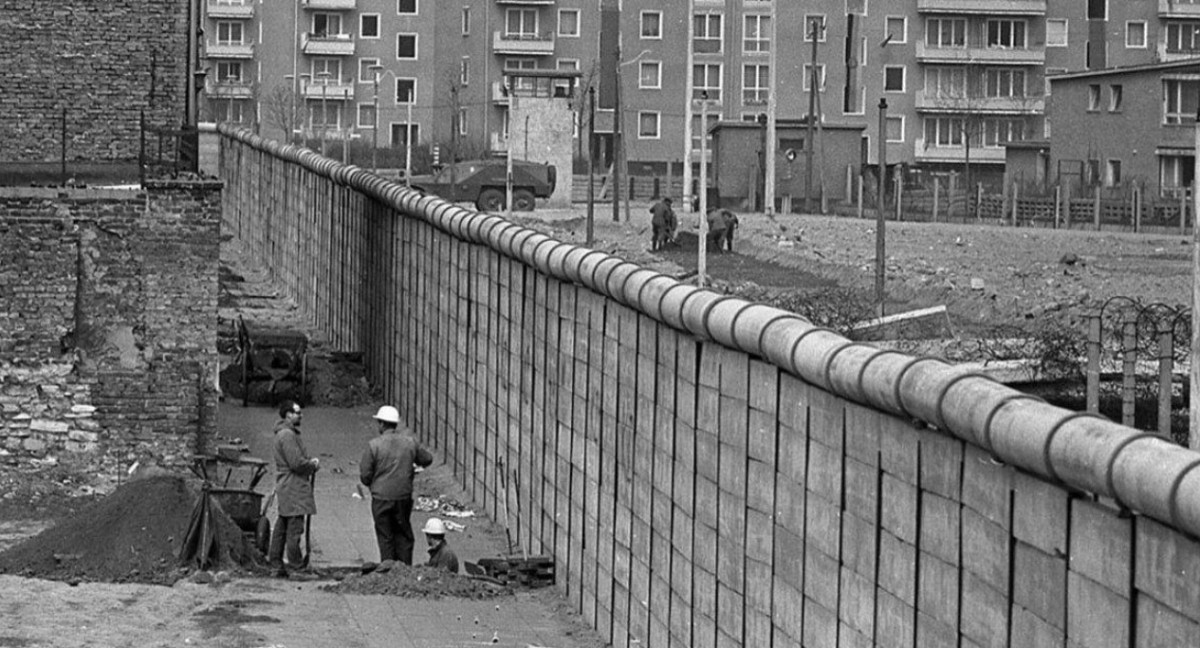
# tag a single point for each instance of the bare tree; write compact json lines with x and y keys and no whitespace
{"x":285,"y":111}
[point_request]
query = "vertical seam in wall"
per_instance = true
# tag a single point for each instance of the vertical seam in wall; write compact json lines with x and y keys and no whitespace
{"x":1012,"y":564}
{"x":775,"y":493}
{"x":1066,"y":607}
{"x":917,"y":547}
{"x":1131,"y":639}
{"x":878,"y":542}
{"x":962,"y":569}
{"x":842,"y":512}
{"x":697,"y":361}
{"x":804,"y":532}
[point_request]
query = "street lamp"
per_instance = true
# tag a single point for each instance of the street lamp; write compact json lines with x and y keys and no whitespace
{"x":375,"y":69}
{"x":408,"y":139}
{"x":324,"y":76}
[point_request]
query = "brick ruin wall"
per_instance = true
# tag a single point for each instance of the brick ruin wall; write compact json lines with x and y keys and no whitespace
{"x":103,"y":61}
{"x":108,"y":320}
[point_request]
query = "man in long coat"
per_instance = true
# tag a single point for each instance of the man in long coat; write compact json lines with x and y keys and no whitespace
{"x":294,"y":469}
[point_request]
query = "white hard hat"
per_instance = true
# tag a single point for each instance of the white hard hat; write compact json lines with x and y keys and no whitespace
{"x":388,"y":414}
{"x":434,"y":526}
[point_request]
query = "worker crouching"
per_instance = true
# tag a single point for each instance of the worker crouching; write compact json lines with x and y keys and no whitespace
{"x":440,"y":554}
{"x":722,"y":223}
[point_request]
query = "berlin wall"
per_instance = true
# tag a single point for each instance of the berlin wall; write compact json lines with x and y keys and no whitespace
{"x":712,"y":472}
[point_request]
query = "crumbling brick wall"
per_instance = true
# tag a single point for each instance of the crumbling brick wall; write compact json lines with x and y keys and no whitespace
{"x":108,"y":318}
{"x":103,"y":62}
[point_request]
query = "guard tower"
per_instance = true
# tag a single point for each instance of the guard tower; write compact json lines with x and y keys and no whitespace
{"x":541,"y":122}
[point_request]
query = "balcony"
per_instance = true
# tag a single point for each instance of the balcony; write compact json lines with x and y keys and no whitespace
{"x":525,"y":2}
{"x":980,"y":55}
{"x":993,"y":8}
{"x":523,"y":44}
{"x":499,"y":94}
{"x":229,"y":50}
{"x":1167,"y":54}
{"x":334,"y":90}
{"x":930,"y":102}
{"x":499,"y":143}
{"x":332,"y":45}
{"x":956,"y":153}
{"x":227,"y":9}
{"x":1178,"y":9}
{"x":330,"y":5}
{"x":231,"y":89}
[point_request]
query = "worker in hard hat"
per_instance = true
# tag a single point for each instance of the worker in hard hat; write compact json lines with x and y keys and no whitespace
{"x":440,"y":553}
{"x":387,"y":470}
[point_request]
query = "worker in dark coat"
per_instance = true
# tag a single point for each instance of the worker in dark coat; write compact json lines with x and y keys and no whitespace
{"x":440,"y":554}
{"x":294,"y":470}
{"x":662,"y":224}
{"x":722,"y":223}
{"x":387,"y":470}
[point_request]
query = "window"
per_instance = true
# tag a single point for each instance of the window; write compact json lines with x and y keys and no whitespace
{"x":895,"y":128}
{"x":1093,"y":97}
{"x":707,"y":34}
{"x":229,"y":32}
{"x":1115,"y":97}
{"x":568,"y":22}
{"x":808,"y":74}
{"x":706,"y":78}
{"x":1056,"y":32}
{"x":406,"y":46}
{"x":897,"y":30}
{"x":651,"y":24}
{"x":893,"y":78}
{"x":814,"y":23}
{"x":1179,"y":100}
{"x":326,"y":25}
{"x":1113,"y":176}
{"x":943,"y":131}
{"x":402,"y":133}
{"x":756,"y":84}
{"x":522,"y":23}
{"x":326,"y":70}
{"x":946,"y":32}
{"x":368,"y":26}
{"x":650,"y":74}
{"x":562,"y":87}
{"x":325,"y":115}
{"x":1135,"y":34}
{"x":229,"y":110}
{"x":998,"y":132}
{"x":1097,"y":9}
{"x":365,"y":73}
{"x":466,"y":21}
{"x":464,"y":70}
{"x":1183,"y":37}
{"x":1006,"y":34}
{"x":699,"y":130}
{"x":1175,"y":172}
{"x":229,"y":72}
{"x":648,"y":123}
{"x":756,"y":34}
{"x":406,"y":6}
{"x":366,"y":115}
{"x":946,"y":82}
{"x":462,"y":121}
{"x":1004,"y":82}
{"x":406,"y":91}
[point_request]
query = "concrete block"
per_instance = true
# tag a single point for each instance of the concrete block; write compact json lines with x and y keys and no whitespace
{"x":704,"y":592}
{"x":820,"y":624}
{"x":861,"y":485}
{"x":1096,"y":616}
{"x":941,"y":464}
{"x":896,"y":624}
{"x":705,"y":547}
{"x":984,"y":612}
{"x":1168,"y":567}
{"x":731,"y":562}
{"x":708,"y":455}
{"x":731,"y":514}
{"x":856,"y":607}
{"x":898,"y":449}
{"x":1040,"y":584}
{"x":940,"y":527}
{"x":1031,"y":631}
{"x":821,"y":577}
{"x":730,"y":609}
{"x":764,"y":386}
{"x":1040,"y":513}
{"x":932,"y":633}
{"x":708,"y":409}
{"x":704,"y":629}
{"x":939,"y":590}
{"x":758,"y":629}
{"x":862,"y":433}
{"x":759,"y":534}
{"x":706,"y":501}
{"x":1101,"y":544}
{"x":793,"y":453}
{"x":898,"y":567}
{"x":732,"y":461}
{"x":760,"y":486}
{"x":758,"y":586}
{"x":985,"y":549}
{"x":899,"y":508}
{"x":823,"y":526}
{"x":789,"y":558}
{"x":1159,"y":625}
{"x":858,"y":544}
{"x":825,"y":471}
{"x":763,"y":428}
{"x":787,"y":608}
{"x":681,"y":621}
{"x":789,"y":504}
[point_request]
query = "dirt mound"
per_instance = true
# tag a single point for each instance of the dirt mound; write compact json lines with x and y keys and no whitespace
{"x":132,"y":535}
{"x":418,"y":582}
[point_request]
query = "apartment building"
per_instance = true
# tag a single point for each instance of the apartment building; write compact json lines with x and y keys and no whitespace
{"x":961,"y":78}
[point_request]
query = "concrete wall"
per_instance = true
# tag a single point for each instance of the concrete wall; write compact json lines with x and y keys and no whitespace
{"x":710,"y":472}
{"x":108,"y":303}
{"x":103,"y":62}
{"x":541,"y":131}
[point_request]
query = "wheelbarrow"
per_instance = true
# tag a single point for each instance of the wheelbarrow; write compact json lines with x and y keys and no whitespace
{"x":230,"y":478}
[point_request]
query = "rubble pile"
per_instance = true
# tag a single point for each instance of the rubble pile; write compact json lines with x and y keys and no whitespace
{"x":418,"y":582}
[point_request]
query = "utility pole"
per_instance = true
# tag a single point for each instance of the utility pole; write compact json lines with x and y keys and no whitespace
{"x":617,"y":143}
{"x":880,"y":213}
{"x":772,"y":106}
{"x":687,"y":109}
{"x":702,"y":240}
{"x":1194,"y":372}
{"x":324,"y":76}
{"x":591,"y":203}
{"x":508,"y":176}
{"x":408,"y":144}
{"x":375,"y":126}
{"x":809,"y":144}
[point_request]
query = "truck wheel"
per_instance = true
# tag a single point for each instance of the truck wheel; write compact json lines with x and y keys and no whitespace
{"x":490,"y":200}
{"x":523,"y":200}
